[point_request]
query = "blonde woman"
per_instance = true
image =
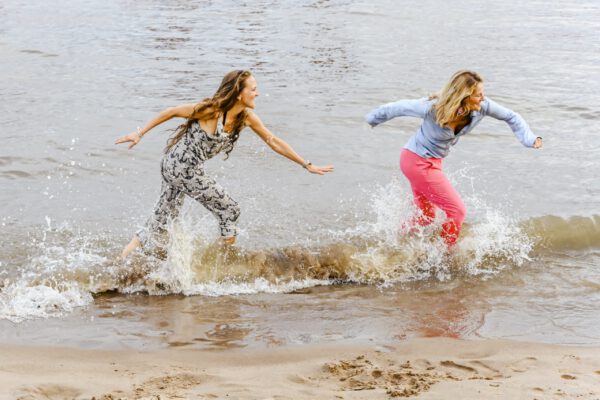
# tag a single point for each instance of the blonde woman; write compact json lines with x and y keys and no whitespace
{"x":213,"y":125}
{"x":447,"y":116}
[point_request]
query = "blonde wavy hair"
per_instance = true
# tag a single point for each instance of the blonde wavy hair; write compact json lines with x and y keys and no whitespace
{"x":452,"y":99}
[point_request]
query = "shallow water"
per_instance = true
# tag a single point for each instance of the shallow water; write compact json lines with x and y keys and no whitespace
{"x":320,"y":258}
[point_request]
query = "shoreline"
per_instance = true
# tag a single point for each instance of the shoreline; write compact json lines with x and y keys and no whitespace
{"x":428,"y":368}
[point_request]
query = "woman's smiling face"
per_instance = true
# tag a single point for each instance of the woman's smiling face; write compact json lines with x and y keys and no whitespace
{"x":475,"y":99}
{"x":249,"y":93}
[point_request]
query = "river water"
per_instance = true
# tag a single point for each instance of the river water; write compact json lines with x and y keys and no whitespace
{"x":319,"y":259}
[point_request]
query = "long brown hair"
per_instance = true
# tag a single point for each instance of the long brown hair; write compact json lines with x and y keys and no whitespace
{"x":222,"y":101}
{"x":454,"y":96}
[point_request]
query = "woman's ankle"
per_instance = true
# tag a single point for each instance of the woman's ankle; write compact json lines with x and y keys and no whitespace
{"x":131,"y":246}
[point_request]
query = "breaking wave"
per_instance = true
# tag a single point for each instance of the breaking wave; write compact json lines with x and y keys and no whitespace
{"x":71,"y":268}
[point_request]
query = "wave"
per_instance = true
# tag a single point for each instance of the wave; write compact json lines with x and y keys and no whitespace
{"x":68,"y":274}
{"x":484,"y":249}
{"x":70,"y":269}
{"x":554,"y":233}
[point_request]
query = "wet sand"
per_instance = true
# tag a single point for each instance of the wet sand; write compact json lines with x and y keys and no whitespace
{"x":432,"y":368}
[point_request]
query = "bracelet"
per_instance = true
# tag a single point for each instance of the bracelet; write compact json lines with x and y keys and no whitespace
{"x":306,"y":164}
{"x":139,"y":132}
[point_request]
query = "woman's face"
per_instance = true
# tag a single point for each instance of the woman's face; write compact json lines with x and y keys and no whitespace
{"x":249,"y":93}
{"x":475,"y":99}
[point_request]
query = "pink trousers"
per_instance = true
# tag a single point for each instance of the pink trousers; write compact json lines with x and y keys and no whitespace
{"x":432,"y":189}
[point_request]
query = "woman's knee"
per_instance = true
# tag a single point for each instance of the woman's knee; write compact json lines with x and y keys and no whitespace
{"x":235,"y":211}
{"x":457,"y":213}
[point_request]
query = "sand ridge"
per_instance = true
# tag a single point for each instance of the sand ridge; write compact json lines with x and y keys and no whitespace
{"x":405,"y":379}
{"x":432,"y":368}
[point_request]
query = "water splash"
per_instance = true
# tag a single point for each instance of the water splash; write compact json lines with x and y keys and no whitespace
{"x":21,"y":300}
{"x":71,"y":265}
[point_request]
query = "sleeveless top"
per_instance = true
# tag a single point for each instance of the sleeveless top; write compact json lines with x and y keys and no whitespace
{"x":199,"y":145}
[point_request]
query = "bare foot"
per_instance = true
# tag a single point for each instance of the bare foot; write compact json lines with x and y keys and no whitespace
{"x":229,"y":241}
{"x":134,"y":244}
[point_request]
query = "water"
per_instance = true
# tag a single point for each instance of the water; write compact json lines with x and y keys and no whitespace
{"x":320,"y":258}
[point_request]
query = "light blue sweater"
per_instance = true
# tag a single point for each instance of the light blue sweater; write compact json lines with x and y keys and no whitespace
{"x":433,"y":141}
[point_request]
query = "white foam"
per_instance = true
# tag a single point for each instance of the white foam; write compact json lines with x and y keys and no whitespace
{"x":259,"y":285}
{"x":56,"y":280}
{"x":492,"y":243}
{"x":67,"y":267}
{"x":19,"y":301}
{"x":495,"y":243}
{"x":181,"y":274}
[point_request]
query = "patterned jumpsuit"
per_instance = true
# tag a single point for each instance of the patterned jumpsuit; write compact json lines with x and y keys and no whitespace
{"x":182,"y":170}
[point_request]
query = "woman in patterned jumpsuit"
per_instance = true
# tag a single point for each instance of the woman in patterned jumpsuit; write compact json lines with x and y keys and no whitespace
{"x":213,"y":125}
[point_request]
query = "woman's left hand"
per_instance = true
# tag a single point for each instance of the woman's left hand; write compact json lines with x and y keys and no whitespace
{"x":538,"y":143}
{"x":315,"y":169}
{"x":133,"y":137}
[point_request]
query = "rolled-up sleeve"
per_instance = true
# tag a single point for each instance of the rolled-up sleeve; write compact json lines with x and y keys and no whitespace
{"x":515,"y":121}
{"x":401,"y":108}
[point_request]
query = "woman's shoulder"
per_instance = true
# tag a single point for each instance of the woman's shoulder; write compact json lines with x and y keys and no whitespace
{"x":203,"y":111}
{"x":424,"y":104}
{"x":429,"y":100}
{"x":251,"y":118}
{"x":428,"y":103}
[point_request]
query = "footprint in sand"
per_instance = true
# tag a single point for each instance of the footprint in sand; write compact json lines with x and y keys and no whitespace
{"x":568,"y":377}
{"x":474,"y":369}
{"x":397,"y":380}
{"x":423,"y":364}
{"x":470,"y":355}
{"x":490,"y":371}
{"x":47,"y":391}
{"x":570,"y":357}
{"x":170,"y":386}
{"x":523,"y":365}
{"x":301,"y":380}
{"x":461,"y":369}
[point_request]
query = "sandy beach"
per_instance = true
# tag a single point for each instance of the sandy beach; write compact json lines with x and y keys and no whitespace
{"x":432,"y":368}
{"x":331,"y":292}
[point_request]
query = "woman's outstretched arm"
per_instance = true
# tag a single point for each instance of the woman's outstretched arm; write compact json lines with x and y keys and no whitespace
{"x":280,"y":146}
{"x":400,"y":108}
{"x":515,"y":121}
{"x":182,"y":111}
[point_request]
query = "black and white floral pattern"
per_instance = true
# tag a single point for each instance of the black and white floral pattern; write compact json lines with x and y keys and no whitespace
{"x":183,"y":174}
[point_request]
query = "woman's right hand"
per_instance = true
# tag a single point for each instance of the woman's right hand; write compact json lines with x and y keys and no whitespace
{"x":314,"y":169}
{"x":133,"y":137}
